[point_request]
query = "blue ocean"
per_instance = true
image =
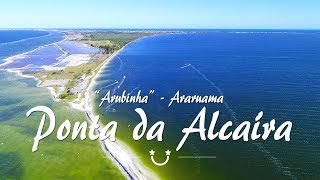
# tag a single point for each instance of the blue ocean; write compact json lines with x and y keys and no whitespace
{"x":14,"y":42}
{"x":276,"y":72}
{"x":10,"y":36}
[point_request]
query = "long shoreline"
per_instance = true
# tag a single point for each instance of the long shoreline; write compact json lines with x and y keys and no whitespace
{"x":12,"y":58}
{"x":117,"y":151}
{"x":123,"y":157}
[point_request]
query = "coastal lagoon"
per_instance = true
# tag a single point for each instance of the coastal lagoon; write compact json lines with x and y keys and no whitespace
{"x":48,"y":50}
{"x":276,"y":72}
{"x":55,"y":159}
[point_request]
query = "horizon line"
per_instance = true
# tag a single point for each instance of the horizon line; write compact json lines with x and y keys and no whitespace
{"x":140,"y":28}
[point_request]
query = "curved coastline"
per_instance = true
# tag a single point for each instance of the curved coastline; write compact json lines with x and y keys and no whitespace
{"x":117,"y":151}
{"x":12,"y":58}
{"x":121,"y":154}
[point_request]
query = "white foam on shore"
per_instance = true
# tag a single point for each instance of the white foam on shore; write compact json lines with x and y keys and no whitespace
{"x":118,"y":152}
{"x":23,"y":55}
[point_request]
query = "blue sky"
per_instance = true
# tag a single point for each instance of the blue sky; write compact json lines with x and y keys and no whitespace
{"x":257,"y":14}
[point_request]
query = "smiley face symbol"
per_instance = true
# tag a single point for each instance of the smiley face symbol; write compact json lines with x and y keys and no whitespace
{"x":152,"y":153}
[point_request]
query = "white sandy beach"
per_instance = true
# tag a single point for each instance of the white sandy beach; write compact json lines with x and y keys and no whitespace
{"x":121,"y":154}
{"x":117,"y":151}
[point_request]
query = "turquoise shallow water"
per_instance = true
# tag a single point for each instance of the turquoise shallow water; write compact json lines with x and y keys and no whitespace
{"x":54,"y":159}
{"x":277,"y":73}
{"x":17,"y":96}
{"x":274,"y":73}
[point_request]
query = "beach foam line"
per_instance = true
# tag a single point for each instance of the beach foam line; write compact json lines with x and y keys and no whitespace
{"x":19,"y":73}
{"x":118,"y":152}
{"x":11,"y":59}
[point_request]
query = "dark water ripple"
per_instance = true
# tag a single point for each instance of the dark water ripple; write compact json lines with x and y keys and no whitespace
{"x":274,"y":73}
